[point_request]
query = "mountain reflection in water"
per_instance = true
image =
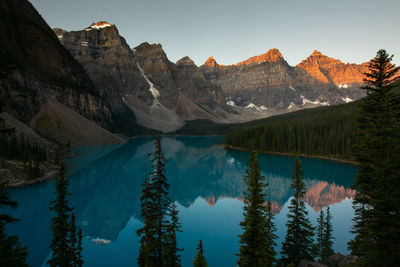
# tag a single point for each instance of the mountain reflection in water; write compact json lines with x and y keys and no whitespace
{"x":106,"y":187}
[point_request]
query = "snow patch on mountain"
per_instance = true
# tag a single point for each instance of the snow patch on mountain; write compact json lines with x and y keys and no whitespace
{"x":347,"y":99}
{"x":316,"y":102}
{"x":231,"y":103}
{"x":252,"y":106}
{"x":152,"y":89}
{"x":292,"y":105}
{"x":343,"y":86}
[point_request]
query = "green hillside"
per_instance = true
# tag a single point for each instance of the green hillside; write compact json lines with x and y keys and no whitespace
{"x":325,"y":131}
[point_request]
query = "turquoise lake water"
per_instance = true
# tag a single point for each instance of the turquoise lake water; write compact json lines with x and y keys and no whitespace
{"x":206,"y":182}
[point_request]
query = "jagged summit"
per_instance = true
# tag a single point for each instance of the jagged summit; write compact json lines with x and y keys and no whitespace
{"x":99,"y":25}
{"x":273,"y":55}
{"x":316,"y":53}
{"x":185,"y":61}
{"x":211,"y":62}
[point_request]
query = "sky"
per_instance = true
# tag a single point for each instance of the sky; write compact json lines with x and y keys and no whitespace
{"x":234,"y":30}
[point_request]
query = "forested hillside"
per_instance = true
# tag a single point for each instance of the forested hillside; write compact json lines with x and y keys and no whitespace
{"x":326,"y":131}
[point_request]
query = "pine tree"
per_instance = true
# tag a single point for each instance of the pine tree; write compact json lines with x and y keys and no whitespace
{"x":161,"y":201}
{"x":75,"y":240}
{"x":320,"y":235}
{"x":171,"y":249}
{"x":377,"y":201}
{"x":156,"y":234}
{"x":327,"y":236}
{"x":257,"y":223}
{"x":65,"y":242}
{"x":11,"y":252}
{"x":200,"y":260}
{"x":271,"y":236}
{"x":79,"y":248}
{"x":298,"y":244}
{"x":147,"y":232}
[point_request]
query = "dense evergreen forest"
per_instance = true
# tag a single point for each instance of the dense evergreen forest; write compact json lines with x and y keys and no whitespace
{"x":22,"y":148}
{"x":327,"y":131}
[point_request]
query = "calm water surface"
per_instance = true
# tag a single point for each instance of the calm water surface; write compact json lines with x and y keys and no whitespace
{"x":206,"y":181}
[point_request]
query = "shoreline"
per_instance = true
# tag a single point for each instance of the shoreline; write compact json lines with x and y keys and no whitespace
{"x":46,"y":177}
{"x":294,"y":154}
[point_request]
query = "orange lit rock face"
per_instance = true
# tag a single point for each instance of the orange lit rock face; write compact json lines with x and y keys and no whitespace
{"x":100,"y":24}
{"x":273,"y":55}
{"x":326,"y":69}
{"x":323,"y":194}
{"x":211,"y":62}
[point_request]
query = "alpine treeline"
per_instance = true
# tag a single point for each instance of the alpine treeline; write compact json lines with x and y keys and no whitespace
{"x":326,"y":131}
{"x":158,"y":242}
{"x":377,"y":201}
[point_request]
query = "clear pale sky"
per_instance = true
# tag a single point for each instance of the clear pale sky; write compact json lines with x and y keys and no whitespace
{"x":234,"y":30}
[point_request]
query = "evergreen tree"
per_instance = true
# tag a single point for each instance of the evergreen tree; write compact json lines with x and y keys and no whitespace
{"x":64,"y":245}
{"x":377,"y":201}
{"x":158,"y":246}
{"x":271,"y":236}
{"x":160,"y":201}
{"x":147,"y":232}
{"x":320,"y":236}
{"x":11,"y":252}
{"x":327,"y":236}
{"x":75,"y":240}
{"x":171,"y":247}
{"x":79,"y":248}
{"x":298,"y":244}
{"x":200,"y":260}
{"x":256,"y":240}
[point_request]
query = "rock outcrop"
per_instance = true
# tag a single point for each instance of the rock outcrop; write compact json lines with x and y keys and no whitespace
{"x":268,"y":82}
{"x":34,"y":65}
{"x":348,"y":77}
{"x":161,"y":94}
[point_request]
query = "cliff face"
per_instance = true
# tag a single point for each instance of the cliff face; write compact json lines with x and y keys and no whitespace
{"x":267,"y":81}
{"x":109,"y":61}
{"x":34,"y":65}
{"x":347,"y":77}
{"x":160,"y":93}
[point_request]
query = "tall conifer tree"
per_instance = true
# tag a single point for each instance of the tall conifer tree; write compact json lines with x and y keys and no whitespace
{"x":320,"y":250}
{"x":11,"y":252}
{"x":171,"y":244}
{"x":64,"y":243}
{"x":200,"y":259}
{"x":377,"y":201}
{"x":327,"y":236}
{"x":158,"y":244}
{"x":298,"y":244}
{"x":256,"y":239}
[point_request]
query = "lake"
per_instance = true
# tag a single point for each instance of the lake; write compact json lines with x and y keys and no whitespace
{"x":206,"y":182}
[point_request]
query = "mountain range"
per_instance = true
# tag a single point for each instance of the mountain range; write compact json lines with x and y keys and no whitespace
{"x":95,"y":74}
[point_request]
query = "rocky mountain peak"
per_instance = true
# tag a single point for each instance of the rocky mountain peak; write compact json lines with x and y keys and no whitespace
{"x":185,"y":61}
{"x":316,"y":53}
{"x":59,"y":32}
{"x":211,"y":62}
{"x":273,"y":55}
{"x":330,"y":70}
{"x":100,"y":25}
